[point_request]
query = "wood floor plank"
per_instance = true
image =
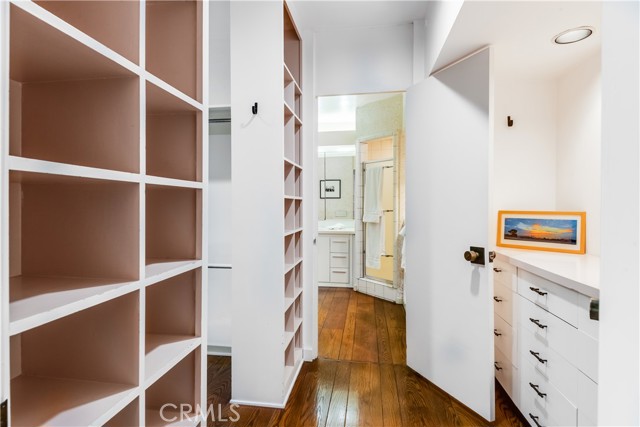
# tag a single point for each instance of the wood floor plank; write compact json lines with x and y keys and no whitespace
{"x":390,"y":405}
{"x":325,"y":307}
{"x":365,"y":342}
{"x":382,"y":333}
{"x":348,"y":337}
{"x":337,"y":313}
{"x":329,"y":343}
{"x":338,"y":406}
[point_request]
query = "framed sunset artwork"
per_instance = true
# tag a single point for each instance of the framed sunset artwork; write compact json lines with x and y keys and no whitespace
{"x":543,"y":231}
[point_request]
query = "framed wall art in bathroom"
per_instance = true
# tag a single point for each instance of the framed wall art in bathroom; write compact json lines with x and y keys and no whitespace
{"x":330,"y":188}
{"x":543,"y":231}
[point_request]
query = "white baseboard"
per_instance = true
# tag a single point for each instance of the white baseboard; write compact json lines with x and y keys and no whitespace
{"x":252,"y":403}
{"x":218,"y":350}
{"x":334,"y":285}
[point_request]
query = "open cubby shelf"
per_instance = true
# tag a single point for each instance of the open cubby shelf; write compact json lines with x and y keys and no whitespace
{"x":98,"y":20}
{"x":55,"y":267}
{"x":175,"y":387}
{"x":172,"y":227}
{"x":173,"y":43}
{"x":73,"y":357}
{"x":172,"y":308}
{"x":127,"y":417}
{"x":173,"y":140}
{"x":65,"y":97}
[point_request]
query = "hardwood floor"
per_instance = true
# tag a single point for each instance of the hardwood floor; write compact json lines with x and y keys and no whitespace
{"x":359,"y":379}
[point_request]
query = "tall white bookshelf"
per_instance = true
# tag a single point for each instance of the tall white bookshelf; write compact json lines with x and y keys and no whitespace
{"x":102,"y":210}
{"x":267,"y":327}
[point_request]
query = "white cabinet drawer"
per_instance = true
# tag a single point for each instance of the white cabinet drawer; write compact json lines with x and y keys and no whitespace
{"x":548,"y":330}
{"x":339,"y":275}
{"x":340,"y":260}
{"x":506,"y":374}
{"x":503,"y":337}
{"x":504,"y":274}
{"x":587,"y":401}
{"x":503,"y":302}
{"x":561,"y":301}
{"x":553,"y":367}
{"x":340,"y":244}
{"x":540,"y":398}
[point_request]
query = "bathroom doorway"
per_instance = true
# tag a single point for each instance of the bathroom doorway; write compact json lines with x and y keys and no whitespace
{"x":359,"y":136}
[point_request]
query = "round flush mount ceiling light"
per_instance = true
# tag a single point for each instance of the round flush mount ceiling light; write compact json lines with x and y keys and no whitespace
{"x":573,"y":35}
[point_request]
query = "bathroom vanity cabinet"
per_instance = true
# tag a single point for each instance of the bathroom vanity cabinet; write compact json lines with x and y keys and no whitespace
{"x":335,"y":259}
{"x":546,"y":344}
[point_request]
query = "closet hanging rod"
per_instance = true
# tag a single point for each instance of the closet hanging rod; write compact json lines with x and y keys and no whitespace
{"x":366,"y":162}
{"x":388,"y":210}
{"x":219,"y":120}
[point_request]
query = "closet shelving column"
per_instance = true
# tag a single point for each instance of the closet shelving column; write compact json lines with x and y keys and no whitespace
{"x":102,"y":168}
{"x":293,"y":233}
{"x":267,"y":222}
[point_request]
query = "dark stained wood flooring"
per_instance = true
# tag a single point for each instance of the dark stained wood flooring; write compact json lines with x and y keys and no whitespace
{"x":359,"y":379}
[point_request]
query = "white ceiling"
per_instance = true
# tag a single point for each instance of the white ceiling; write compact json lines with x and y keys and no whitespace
{"x":521,"y":33}
{"x":325,"y":15}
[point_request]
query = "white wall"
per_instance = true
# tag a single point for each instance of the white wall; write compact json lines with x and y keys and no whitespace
{"x":337,"y":138}
{"x":619,"y":344}
{"x":578,"y":145}
{"x":364,"y":60}
{"x":442,"y":15}
{"x":525,"y":154}
{"x":219,"y":48}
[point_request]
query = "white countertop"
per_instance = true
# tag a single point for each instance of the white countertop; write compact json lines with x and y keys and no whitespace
{"x":337,"y":226}
{"x":578,"y":272}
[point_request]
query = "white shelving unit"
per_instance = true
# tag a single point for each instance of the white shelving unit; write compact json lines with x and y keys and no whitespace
{"x":268,"y":228}
{"x":102,"y":207}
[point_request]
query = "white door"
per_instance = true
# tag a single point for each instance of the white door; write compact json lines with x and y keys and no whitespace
{"x":448,"y":299}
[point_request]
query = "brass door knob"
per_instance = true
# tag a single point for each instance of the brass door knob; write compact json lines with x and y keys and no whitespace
{"x":471,"y":256}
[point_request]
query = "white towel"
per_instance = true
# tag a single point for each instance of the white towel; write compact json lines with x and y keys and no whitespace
{"x":372,"y":217}
{"x":372,"y":194}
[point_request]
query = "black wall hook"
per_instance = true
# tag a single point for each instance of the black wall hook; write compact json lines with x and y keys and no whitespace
{"x":254,"y":108}
{"x":509,"y":121}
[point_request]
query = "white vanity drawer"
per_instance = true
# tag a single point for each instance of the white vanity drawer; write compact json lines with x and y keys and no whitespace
{"x":548,"y":330}
{"x":587,"y":401}
{"x":505,"y":274}
{"x":553,"y":367}
{"x":541,"y":398}
{"x":339,"y":275}
{"x":561,"y":301}
{"x":504,"y":372}
{"x":503,"y":337}
{"x":503,"y":302}
{"x":339,"y":244}
{"x":339,"y":260}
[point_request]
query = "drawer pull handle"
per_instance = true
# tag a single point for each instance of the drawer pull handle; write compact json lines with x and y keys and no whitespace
{"x":537,"y":323}
{"x":338,"y":256}
{"x":496,"y":333}
{"x":535,"y":419}
{"x":537,"y":356}
{"x":497,"y":299}
{"x":497,"y":366}
{"x":538,"y":291}
{"x":535,"y":388}
{"x":497,"y":270}
{"x":338,"y":272}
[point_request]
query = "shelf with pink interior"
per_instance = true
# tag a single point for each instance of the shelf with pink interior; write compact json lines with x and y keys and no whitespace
{"x":292,"y":138}
{"x":292,"y":92}
{"x":63,"y":373}
{"x":292,"y":286}
{"x":98,"y":19}
{"x":292,"y":216}
{"x":64,"y":98}
{"x":172,"y":322}
{"x":73,"y":243}
{"x":173,"y":238}
{"x":174,"y":44}
{"x":127,"y":417}
{"x":292,"y":182}
{"x":173,"y":139}
{"x":172,"y":400}
{"x":292,"y":251}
